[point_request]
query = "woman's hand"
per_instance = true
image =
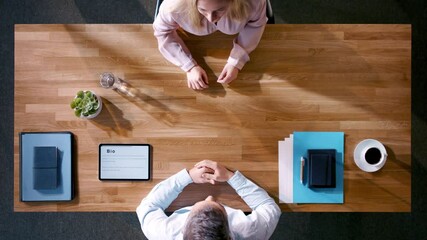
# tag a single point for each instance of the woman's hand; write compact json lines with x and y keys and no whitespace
{"x":228,"y":74}
{"x":197,"y":79}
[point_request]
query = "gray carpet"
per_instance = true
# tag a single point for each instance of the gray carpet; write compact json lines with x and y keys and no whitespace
{"x":291,"y":225}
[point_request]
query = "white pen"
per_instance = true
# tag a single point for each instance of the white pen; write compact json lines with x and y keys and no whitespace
{"x":301,"y":174}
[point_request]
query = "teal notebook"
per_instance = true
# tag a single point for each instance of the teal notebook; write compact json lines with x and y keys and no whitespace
{"x":317,"y":140}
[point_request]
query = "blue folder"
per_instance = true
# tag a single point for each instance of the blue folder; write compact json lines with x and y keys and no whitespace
{"x":46,"y":175}
{"x":303,"y":141}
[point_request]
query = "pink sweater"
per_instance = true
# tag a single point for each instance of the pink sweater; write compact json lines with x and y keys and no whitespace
{"x":173,"y":47}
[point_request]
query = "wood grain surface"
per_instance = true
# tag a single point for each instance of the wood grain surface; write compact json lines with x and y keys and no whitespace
{"x":350,"y":78}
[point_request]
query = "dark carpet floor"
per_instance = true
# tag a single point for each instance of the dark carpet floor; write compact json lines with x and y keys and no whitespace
{"x":292,"y":225}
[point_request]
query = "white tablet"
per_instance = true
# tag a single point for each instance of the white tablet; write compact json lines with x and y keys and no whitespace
{"x":124,"y":162}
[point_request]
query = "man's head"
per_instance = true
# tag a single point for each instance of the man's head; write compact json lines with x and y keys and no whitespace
{"x":207,"y":220}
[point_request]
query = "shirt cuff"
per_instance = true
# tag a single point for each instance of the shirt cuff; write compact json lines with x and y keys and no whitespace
{"x":238,"y":56}
{"x":189,"y":65}
{"x":237,"y":180}
{"x":183,"y":178}
{"x":235,"y":62}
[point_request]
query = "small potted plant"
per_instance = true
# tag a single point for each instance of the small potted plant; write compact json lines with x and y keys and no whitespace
{"x":86,"y":104}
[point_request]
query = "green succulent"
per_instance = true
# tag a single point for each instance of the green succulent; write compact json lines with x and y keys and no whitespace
{"x":85,"y":103}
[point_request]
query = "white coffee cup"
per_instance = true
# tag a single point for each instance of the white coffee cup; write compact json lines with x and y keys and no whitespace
{"x":370,"y":155}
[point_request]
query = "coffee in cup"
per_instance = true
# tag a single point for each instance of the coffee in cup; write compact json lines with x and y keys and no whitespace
{"x":373,"y":155}
{"x":370,"y":155}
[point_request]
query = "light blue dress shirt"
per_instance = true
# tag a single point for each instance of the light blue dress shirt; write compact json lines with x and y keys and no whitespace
{"x":259,"y":224}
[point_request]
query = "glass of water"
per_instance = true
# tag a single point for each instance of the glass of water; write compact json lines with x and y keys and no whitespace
{"x":108,"y":80}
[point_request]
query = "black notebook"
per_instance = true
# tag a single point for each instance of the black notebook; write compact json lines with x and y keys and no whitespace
{"x":45,"y":168}
{"x":321,"y":168}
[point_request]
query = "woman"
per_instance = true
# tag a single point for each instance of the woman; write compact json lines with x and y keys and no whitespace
{"x":203,"y":17}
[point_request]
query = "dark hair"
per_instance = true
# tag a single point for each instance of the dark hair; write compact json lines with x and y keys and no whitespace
{"x":209,"y":223}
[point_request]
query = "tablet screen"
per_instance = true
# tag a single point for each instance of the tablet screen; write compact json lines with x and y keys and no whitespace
{"x":124,"y":161}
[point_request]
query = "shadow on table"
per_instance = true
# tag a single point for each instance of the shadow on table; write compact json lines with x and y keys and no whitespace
{"x":312,"y":75}
{"x":143,"y":100}
{"x":147,"y":103}
{"x":111,"y":120}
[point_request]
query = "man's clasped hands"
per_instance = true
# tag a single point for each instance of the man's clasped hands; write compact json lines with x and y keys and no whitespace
{"x":208,"y":171}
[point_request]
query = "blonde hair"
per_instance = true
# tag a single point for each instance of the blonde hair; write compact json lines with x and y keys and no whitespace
{"x":238,"y":10}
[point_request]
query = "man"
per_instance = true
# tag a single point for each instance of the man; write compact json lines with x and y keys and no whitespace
{"x":208,"y":219}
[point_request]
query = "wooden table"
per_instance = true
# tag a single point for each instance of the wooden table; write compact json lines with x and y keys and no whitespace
{"x":350,"y":78}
